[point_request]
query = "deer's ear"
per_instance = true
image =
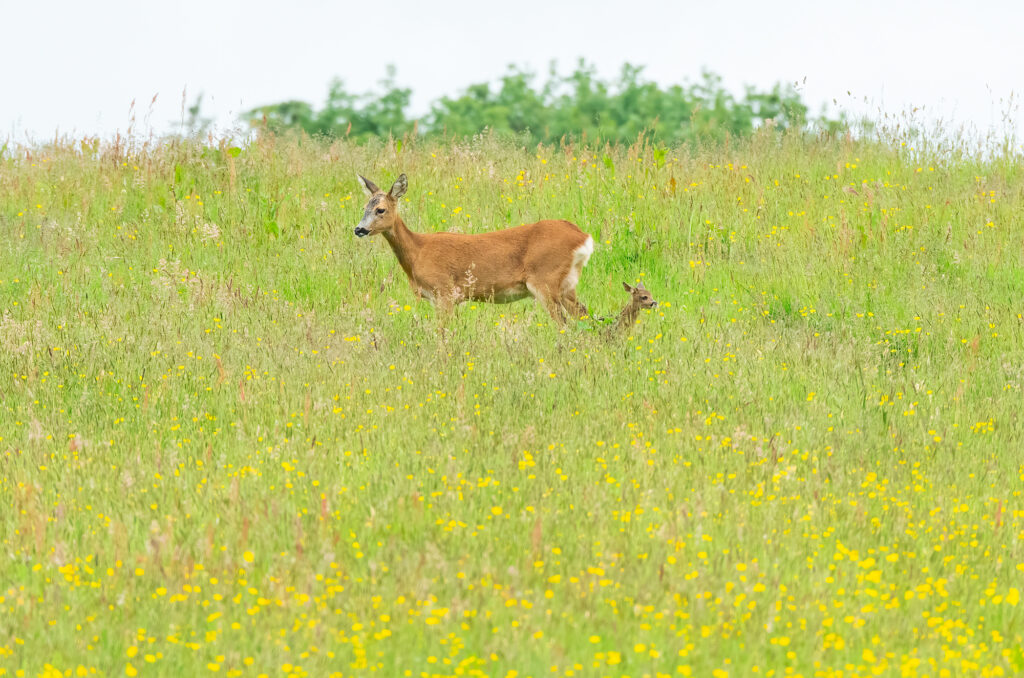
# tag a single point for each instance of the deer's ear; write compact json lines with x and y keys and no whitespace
{"x":400,"y":186}
{"x":626,"y":287}
{"x":640,"y":286}
{"x":369,"y":187}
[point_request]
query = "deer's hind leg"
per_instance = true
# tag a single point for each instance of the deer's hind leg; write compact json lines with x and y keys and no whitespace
{"x":549,"y":301}
{"x":572,"y":305}
{"x":571,"y":277}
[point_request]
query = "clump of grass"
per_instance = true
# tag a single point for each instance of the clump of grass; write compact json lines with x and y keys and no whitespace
{"x":233,"y":443}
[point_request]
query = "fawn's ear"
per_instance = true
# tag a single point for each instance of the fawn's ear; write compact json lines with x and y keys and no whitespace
{"x":640,"y":286}
{"x":400,"y":186}
{"x":626,"y":287}
{"x":369,"y":187}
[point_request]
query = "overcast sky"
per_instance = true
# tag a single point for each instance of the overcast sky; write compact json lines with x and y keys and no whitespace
{"x":77,"y":66}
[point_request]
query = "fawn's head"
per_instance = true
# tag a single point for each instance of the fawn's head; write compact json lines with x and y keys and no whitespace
{"x":641,"y":296}
{"x":381,"y":208}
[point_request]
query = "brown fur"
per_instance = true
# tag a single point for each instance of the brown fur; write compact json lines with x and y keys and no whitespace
{"x":501,"y":266}
{"x":640,"y":298}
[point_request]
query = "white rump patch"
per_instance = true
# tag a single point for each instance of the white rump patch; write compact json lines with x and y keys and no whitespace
{"x":580,"y":257}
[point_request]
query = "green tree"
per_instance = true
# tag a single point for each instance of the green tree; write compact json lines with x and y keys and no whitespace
{"x":577,"y":105}
{"x":344,"y":114}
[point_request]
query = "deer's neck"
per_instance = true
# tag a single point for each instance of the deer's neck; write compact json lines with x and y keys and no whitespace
{"x":404,"y":243}
{"x":628,"y":315}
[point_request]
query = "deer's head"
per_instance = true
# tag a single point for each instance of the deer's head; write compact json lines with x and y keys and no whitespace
{"x":381,"y":209}
{"x":641,"y":296}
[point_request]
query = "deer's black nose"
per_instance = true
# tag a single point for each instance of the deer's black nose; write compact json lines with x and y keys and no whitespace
{"x":360,"y":231}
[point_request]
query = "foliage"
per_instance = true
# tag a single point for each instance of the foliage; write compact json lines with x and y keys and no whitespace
{"x":233,"y":443}
{"x":578,"y":106}
{"x":343,"y":114}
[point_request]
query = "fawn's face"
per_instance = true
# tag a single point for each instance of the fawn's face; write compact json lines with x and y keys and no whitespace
{"x":381,"y":208}
{"x":641,"y":296}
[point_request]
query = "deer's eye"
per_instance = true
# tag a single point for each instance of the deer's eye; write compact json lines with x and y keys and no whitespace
{"x":381,"y":210}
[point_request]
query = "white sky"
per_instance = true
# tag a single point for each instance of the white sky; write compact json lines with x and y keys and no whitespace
{"x":76,"y":66}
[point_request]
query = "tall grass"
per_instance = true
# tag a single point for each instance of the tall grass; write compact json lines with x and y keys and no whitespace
{"x":232,"y":441}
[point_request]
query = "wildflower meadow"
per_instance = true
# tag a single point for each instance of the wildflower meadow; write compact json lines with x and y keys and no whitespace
{"x":234,"y":443}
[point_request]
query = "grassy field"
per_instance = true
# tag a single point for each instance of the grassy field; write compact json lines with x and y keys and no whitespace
{"x":233,"y":443}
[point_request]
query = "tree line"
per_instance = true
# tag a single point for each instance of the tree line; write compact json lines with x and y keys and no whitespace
{"x":577,"y":106}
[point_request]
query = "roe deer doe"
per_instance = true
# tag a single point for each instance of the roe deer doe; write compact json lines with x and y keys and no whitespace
{"x":543,"y":260}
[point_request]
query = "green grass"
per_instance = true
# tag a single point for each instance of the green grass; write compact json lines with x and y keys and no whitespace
{"x":232,"y":442}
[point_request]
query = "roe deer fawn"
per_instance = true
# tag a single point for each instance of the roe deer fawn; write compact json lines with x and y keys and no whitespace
{"x":640,"y":298}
